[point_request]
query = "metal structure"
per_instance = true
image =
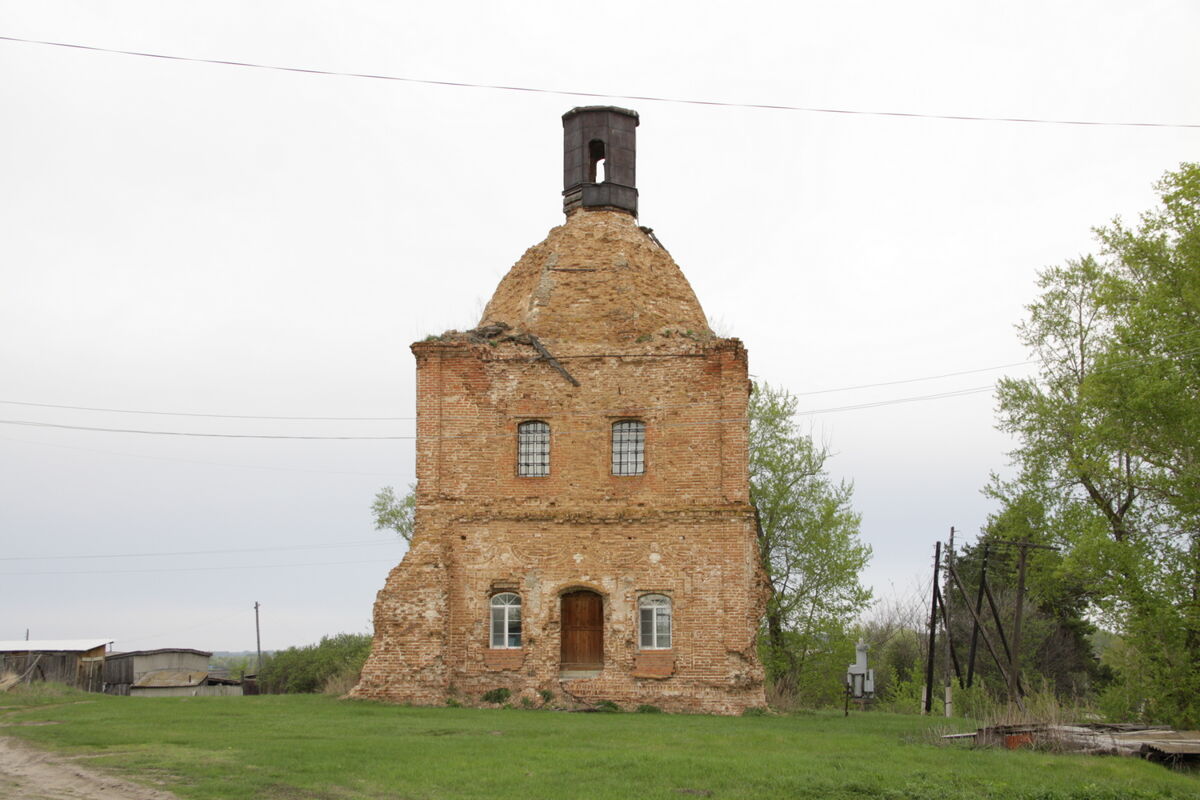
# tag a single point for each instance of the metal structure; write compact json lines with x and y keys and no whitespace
{"x":860,"y":679}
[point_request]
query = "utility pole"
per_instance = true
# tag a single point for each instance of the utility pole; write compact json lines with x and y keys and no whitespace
{"x":978,"y":611}
{"x":927,"y":705}
{"x":1013,"y":653}
{"x":949,"y":689}
{"x":1014,"y":669}
{"x":257,"y":641}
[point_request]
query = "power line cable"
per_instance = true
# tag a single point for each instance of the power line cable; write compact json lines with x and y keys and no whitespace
{"x":833,"y":390}
{"x":477,"y":436}
{"x":202,"y":463}
{"x":32,"y":424}
{"x":197,"y":569}
{"x":851,"y":407}
{"x":205,"y":415}
{"x":809,"y":393}
{"x":600,"y":95}
{"x":327,"y":546}
{"x":915,"y":380}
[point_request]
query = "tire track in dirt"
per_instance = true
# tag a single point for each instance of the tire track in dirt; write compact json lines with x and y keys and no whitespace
{"x":27,"y":773}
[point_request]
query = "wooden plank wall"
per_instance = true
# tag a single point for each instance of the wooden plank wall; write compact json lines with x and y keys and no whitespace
{"x":68,"y":668}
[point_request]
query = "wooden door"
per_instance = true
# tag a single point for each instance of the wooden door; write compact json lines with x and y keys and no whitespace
{"x":582,"y":630}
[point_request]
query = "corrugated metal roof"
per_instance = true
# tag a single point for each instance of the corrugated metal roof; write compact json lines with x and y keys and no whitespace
{"x":160,"y":650}
{"x":51,"y":645}
{"x":171,"y":677}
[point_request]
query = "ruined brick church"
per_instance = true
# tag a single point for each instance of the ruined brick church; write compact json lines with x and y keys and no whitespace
{"x":583,"y":526}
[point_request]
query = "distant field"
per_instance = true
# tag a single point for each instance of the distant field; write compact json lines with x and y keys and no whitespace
{"x":308,"y":746}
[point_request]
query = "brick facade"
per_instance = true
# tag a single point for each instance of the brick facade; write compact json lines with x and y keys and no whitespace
{"x":608,"y":303}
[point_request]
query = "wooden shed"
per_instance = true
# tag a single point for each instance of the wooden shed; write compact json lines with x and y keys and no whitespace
{"x":167,"y":671}
{"x":75,"y":662}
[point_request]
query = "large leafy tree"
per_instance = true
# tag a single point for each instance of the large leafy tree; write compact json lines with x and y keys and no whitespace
{"x":808,"y":538}
{"x":1108,"y":434}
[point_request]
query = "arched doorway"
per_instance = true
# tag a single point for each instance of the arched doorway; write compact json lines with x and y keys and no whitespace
{"x":582,"y":631}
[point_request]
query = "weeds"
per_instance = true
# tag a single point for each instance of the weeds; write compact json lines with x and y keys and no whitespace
{"x":496,"y":696}
{"x":341,"y":682}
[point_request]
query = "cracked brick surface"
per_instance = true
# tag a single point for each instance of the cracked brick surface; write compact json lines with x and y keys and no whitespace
{"x":616,"y":312}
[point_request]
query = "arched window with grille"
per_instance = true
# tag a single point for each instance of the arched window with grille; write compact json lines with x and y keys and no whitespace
{"x":533,"y":449}
{"x":629,"y":447}
{"x":506,"y":621}
{"x":654,"y":625}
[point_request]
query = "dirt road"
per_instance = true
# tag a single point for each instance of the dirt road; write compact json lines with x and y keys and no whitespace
{"x":30,"y":774}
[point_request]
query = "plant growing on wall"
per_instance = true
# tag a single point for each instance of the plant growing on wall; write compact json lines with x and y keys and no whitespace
{"x":394,"y":513}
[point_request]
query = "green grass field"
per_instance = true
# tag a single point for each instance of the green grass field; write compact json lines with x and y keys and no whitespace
{"x":311,"y":746}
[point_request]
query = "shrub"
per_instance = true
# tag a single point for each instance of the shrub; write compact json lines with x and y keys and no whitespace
{"x":646,"y":708}
{"x":607,"y":705}
{"x":342,"y":681}
{"x":547,"y":695}
{"x":495,"y":695}
{"x":300,"y":670}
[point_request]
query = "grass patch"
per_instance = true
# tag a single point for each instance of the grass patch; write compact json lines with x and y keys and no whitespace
{"x":310,"y":746}
{"x":40,"y":693}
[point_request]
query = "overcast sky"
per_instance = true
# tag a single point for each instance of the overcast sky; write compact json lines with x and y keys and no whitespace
{"x":191,"y":237}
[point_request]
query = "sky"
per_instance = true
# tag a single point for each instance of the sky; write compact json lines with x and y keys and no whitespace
{"x":182,"y":238}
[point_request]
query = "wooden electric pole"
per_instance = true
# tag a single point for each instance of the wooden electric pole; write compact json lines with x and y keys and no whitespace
{"x":1014,"y":668}
{"x":933,"y":612}
{"x":257,"y":641}
{"x":945,"y":597}
{"x":978,"y":611}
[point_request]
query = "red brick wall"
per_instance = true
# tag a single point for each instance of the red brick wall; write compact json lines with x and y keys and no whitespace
{"x":684,"y":529}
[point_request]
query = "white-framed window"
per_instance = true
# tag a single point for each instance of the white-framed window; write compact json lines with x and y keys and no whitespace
{"x":629,"y":447}
{"x":654,"y":626}
{"x":533,"y":449}
{"x":506,"y":621}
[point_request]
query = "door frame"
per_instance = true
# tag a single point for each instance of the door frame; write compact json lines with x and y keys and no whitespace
{"x":602,"y":597}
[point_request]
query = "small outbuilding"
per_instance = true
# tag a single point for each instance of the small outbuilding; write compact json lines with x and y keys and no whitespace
{"x":165,"y":672}
{"x":75,"y":662}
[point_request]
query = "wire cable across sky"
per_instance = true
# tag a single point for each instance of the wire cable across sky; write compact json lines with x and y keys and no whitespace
{"x":603,"y":96}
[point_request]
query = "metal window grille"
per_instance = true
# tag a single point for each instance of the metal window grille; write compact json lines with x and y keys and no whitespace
{"x":506,"y":621}
{"x":533,"y":449}
{"x":629,"y":447}
{"x":655,"y":622}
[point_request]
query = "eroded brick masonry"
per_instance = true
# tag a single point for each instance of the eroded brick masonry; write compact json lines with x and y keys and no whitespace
{"x":592,"y":329}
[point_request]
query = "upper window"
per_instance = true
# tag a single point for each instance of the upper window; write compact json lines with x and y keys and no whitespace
{"x":506,"y":620}
{"x":533,"y":449}
{"x":628,"y":447}
{"x":655,"y":622}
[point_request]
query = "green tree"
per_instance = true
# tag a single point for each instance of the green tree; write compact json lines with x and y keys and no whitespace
{"x":808,"y":538}
{"x":1108,"y":434}
{"x":299,"y":670}
{"x":395,"y":513}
